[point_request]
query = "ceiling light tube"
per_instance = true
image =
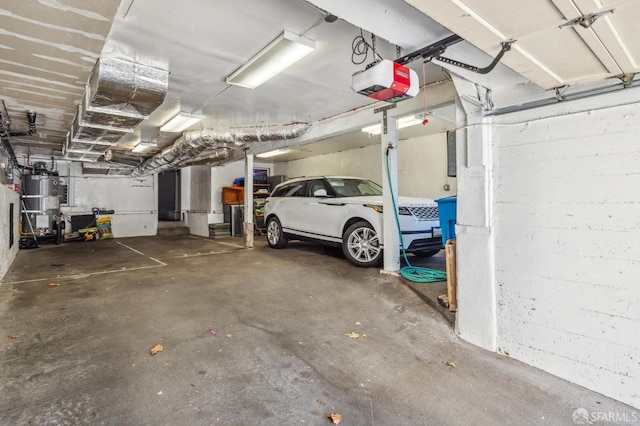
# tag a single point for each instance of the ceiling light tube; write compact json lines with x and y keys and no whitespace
{"x":145,"y":146}
{"x":180,"y":122}
{"x":284,"y":51}
{"x":403,"y":122}
{"x":270,"y":154}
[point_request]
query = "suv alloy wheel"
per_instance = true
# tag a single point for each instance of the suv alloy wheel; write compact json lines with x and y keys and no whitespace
{"x":274,"y":234}
{"x":361,"y":245}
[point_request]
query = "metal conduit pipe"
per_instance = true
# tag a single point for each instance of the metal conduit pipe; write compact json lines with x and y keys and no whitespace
{"x":208,"y":144}
{"x":31,"y":120}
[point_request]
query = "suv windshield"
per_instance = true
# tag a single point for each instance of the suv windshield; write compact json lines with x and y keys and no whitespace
{"x":354,"y":187}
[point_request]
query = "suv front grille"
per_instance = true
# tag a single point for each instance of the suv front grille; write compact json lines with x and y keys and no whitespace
{"x":424,"y":213}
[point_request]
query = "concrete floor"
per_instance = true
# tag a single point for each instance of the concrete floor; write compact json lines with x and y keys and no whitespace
{"x":280,"y":355}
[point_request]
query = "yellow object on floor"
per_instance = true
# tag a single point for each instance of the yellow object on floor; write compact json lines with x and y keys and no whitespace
{"x":89,"y":234}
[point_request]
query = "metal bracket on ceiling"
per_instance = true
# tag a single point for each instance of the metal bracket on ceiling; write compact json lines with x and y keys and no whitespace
{"x":506,"y":46}
{"x":560,"y":92}
{"x":384,"y":110}
{"x":482,"y":98}
{"x":586,"y":21}
{"x":627,"y":79}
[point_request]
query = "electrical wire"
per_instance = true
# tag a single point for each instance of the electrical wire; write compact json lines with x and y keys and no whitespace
{"x":360,"y":49}
{"x":412,"y":273}
{"x":425,"y":120}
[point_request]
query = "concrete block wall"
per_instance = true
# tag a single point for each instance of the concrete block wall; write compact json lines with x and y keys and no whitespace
{"x":566,"y":223}
{"x":8,"y":254}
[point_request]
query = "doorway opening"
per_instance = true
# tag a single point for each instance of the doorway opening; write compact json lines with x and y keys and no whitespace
{"x":169,"y":196}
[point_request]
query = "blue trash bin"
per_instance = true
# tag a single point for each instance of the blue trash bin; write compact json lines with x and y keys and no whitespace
{"x":447,"y":213}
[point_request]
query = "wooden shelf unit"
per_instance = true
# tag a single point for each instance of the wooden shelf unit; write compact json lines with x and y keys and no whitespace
{"x":232,"y":195}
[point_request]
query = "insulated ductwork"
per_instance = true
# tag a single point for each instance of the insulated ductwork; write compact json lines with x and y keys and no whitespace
{"x":120,"y":94}
{"x":198,"y":146}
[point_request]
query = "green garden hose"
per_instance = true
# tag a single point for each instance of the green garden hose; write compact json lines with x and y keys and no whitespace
{"x":414,"y":274}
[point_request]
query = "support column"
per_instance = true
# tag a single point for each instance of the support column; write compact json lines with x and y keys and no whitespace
{"x":248,"y":200}
{"x":476,"y":319}
{"x":390,"y":236}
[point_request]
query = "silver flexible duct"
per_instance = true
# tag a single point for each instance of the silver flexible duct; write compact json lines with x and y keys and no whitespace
{"x":198,"y":146}
{"x":119,"y":95}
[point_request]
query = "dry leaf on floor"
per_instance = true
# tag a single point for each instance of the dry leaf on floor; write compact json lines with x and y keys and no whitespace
{"x":449,"y":363}
{"x":364,"y":335}
{"x":156,"y":349}
{"x":335,"y":418}
{"x":229,"y":335}
{"x":358,"y":323}
{"x":54,"y":285}
{"x":14,"y":336}
{"x":352,"y":335}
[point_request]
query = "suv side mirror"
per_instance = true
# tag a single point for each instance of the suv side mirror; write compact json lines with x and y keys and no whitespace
{"x":320,"y":193}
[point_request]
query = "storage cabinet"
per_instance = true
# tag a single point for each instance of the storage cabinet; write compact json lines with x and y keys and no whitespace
{"x":232,"y":195}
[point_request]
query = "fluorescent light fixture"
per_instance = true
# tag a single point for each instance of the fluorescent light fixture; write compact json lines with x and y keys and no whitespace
{"x":284,"y":51}
{"x":407,"y":121}
{"x":145,"y":146}
{"x":273,"y":153}
{"x":180,"y":122}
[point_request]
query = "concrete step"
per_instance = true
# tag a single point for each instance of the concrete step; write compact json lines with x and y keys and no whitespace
{"x":219,"y":229}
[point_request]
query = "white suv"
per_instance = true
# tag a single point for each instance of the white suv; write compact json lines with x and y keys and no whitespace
{"x":347,"y":212}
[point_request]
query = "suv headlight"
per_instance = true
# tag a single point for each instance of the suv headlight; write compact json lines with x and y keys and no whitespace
{"x":375,"y":207}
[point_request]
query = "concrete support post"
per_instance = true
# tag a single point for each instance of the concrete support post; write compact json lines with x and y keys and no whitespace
{"x":248,"y":201}
{"x":390,"y":236}
{"x":476,"y":320}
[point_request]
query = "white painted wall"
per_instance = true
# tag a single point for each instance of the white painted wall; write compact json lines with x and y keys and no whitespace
{"x":134,"y":200}
{"x":422,"y":166}
{"x":565,"y":219}
{"x":7,"y":254}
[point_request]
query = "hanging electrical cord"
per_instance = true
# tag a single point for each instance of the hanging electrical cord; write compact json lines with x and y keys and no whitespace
{"x":425,"y":119}
{"x":414,"y":274}
{"x":360,"y":49}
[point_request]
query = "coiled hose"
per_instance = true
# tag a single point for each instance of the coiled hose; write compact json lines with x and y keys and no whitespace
{"x":414,"y":274}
